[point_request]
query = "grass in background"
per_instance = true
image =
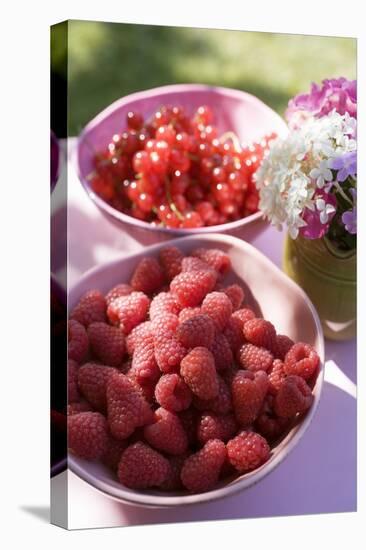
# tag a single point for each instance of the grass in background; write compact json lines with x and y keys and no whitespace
{"x":109,"y":60}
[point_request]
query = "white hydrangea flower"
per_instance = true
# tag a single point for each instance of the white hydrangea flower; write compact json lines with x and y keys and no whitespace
{"x":325,"y":209}
{"x":321,"y":173}
{"x":297,"y":165}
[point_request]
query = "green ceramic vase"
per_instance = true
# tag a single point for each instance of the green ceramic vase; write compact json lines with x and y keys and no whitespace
{"x":329,"y":279}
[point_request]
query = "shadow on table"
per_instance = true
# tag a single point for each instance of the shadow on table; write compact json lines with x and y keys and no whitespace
{"x":40,"y":512}
{"x":319,"y":476}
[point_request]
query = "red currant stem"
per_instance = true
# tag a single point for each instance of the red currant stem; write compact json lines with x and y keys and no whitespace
{"x":170,"y":200}
{"x":234,"y":138}
{"x":138,"y":176}
{"x":195,"y":158}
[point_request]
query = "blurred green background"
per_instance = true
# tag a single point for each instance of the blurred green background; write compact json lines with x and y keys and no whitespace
{"x":109,"y":60}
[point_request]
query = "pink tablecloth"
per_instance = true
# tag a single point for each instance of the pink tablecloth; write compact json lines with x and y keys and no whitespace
{"x":320,"y":474}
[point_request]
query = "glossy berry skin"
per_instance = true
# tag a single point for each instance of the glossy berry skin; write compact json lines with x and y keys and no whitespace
{"x":178,"y":162}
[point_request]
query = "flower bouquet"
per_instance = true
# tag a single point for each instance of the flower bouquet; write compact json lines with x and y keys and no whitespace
{"x":308,"y":182}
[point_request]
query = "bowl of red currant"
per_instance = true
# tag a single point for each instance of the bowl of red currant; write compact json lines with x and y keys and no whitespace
{"x":178,"y":159}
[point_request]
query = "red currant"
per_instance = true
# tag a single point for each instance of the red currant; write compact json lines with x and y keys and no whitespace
{"x":192,"y":220}
{"x":134,"y":120}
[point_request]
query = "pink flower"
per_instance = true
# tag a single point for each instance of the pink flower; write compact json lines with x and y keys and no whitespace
{"x":335,"y":93}
{"x":318,"y":220}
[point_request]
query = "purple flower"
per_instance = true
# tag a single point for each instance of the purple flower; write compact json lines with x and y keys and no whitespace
{"x":336,"y":93}
{"x":346,"y":165}
{"x":315,"y":228}
{"x":349,"y":218}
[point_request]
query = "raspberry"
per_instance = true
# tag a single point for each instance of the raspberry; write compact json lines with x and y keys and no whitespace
{"x":128,"y":311}
{"x":87,"y":434}
{"x":247,"y":451}
{"x":168,"y":352}
{"x":189,"y":419}
{"x":189,"y":263}
{"x":171,"y":261}
{"x":199,"y":373}
{"x":243,"y":315}
{"x":191,"y":287}
{"x":301,"y":360}
{"x":254,"y":358}
{"x":268,"y":424}
{"x":294,"y":396}
{"x":148,"y":276}
{"x":228,"y":374}
{"x":92,"y":380}
{"x":141,"y":467}
{"x":248,"y":390}
{"x":173,"y":481}
{"x":78,"y":407}
{"x":217,"y":259}
{"x":78,"y":343}
{"x":166,"y":433}
{"x":107,"y":343}
{"x":164,"y":324}
{"x":90,"y":309}
{"x":164,"y":302}
{"x":233,"y":333}
{"x":276,"y":376}
{"x":117,"y":291}
{"x":72,"y":381}
{"x":197,"y":331}
{"x":261,"y":333}
{"x":113,"y":452}
{"x":145,"y":387}
{"x":283,"y":345}
{"x":217,"y":306}
{"x":172,"y":393}
{"x":236,"y":295}
{"x":221,"y":404}
{"x":127,"y":409}
{"x":201,"y":470}
{"x":137,"y":335}
{"x":188,"y":313}
{"x":144,"y":367}
{"x":221,"y":351}
{"x":211,"y":426}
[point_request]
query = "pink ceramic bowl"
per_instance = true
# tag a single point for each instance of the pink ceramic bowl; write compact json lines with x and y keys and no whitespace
{"x":234,"y":110}
{"x":272,"y":293}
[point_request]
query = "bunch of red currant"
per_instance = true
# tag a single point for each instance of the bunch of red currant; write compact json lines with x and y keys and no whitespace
{"x":176,"y":171}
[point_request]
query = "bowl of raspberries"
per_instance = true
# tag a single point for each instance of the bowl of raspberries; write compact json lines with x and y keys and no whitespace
{"x":194,"y":368}
{"x":178,"y":159}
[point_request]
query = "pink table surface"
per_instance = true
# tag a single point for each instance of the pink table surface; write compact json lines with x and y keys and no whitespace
{"x":319,"y":476}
